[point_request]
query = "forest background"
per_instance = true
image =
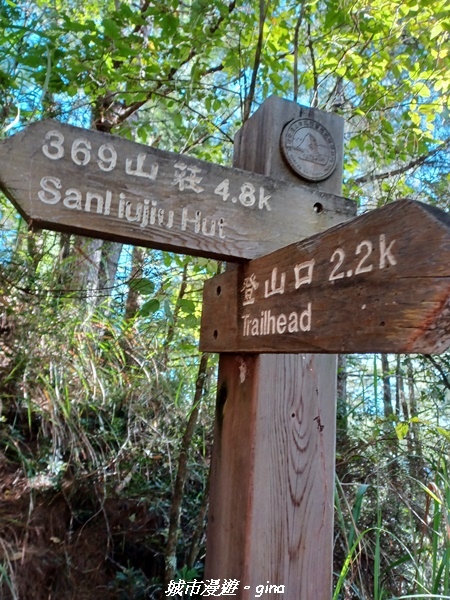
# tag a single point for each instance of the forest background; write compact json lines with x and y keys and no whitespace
{"x":106,"y":403}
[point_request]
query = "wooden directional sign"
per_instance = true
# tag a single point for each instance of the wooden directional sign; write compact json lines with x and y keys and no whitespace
{"x":378,"y":283}
{"x":80,"y":181}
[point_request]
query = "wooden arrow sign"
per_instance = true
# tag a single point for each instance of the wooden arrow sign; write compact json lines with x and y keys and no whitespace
{"x":80,"y":181}
{"x":378,"y":283}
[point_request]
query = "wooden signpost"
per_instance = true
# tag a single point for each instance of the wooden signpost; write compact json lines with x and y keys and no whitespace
{"x":379,"y":283}
{"x":272,"y":480}
{"x":79,"y":181}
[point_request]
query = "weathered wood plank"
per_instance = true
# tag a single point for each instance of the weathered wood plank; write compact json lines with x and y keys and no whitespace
{"x":272,"y":480}
{"x":380,"y":283}
{"x":91,"y":183}
{"x":277,"y":113}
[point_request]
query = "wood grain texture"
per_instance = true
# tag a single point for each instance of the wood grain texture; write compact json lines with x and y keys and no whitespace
{"x":273,"y":115}
{"x":380,"y":283}
{"x":292,"y":511}
{"x":91,"y":183}
{"x":272,"y":487}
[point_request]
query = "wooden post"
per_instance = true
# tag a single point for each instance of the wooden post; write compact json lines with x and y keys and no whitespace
{"x":272,"y":488}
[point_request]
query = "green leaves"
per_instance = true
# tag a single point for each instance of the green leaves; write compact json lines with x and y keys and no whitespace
{"x":143,"y":286}
{"x":149,"y":307}
{"x":401,"y":429}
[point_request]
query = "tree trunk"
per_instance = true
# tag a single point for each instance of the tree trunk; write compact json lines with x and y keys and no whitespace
{"x":108,"y":267}
{"x":86,"y":268}
{"x":388,"y":410}
{"x":342,"y":406}
{"x":137,"y":270}
{"x":387,"y":393}
{"x":173,"y":322}
{"x":404,"y":407}
{"x":417,"y":445}
{"x":170,"y":555}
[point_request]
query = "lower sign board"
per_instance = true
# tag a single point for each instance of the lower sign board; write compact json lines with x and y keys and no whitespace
{"x":91,"y":183}
{"x":378,"y":283}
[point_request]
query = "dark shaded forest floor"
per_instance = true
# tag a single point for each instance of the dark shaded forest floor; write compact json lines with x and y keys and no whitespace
{"x":74,"y":544}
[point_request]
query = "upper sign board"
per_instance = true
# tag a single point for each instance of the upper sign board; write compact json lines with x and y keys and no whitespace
{"x":378,"y":283}
{"x":91,"y":183}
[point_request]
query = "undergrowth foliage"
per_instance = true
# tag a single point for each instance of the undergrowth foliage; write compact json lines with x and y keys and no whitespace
{"x":92,"y":405}
{"x":393,"y":488}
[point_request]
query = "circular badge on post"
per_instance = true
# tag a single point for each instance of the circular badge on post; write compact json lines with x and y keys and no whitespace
{"x":308,"y":148}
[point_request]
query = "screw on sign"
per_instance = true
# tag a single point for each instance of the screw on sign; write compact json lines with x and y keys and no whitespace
{"x":91,"y":183}
{"x":378,"y":283}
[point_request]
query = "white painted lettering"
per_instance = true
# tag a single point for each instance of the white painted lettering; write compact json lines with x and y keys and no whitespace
{"x":196,"y":221}
{"x":293,"y":323}
{"x":305,"y":319}
{"x":212,"y":227}
{"x":270,"y":324}
{"x":273,"y":284}
{"x":187,"y":178}
{"x":153,"y":212}
{"x":108,"y":199}
{"x":281,"y":324}
{"x":247,"y":195}
{"x":49,"y":193}
{"x":249,"y":287}
{"x":386,"y":256}
{"x":121,"y":211}
{"x":223,"y":189}
{"x":72,"y":199}
{"x":255,"y":327}
{"x":339,"y":254}
{"x":307,"y":278}
{"x":137,"y":215}
{"x":221,"y":228}
{"x":98,"y":198}
{"x":145,"y":213}
{"x":246,"y":325}
{"x":107,"y":157}
{"x":169,"y":223}
{"x":360,"y":268}
{"x":138,"y":170}
{"x":81,"y":152}
{"x":263,"y":200}
{"x":54,"y":148}
{"x":157,"y":215}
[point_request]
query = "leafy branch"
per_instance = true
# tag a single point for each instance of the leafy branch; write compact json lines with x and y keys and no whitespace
{"x":182,"y":471}
{"x":257,"y":62}
{"x":131,"y":109}
{"x":417,"y":162}
{"x":439,"y":369}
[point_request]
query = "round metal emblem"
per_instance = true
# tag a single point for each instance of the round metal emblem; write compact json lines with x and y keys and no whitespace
{"x":309,"y":149}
